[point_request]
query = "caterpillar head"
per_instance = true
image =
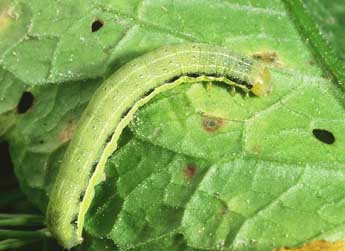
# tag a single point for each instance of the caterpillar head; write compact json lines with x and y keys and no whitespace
{"x":261,"y":81}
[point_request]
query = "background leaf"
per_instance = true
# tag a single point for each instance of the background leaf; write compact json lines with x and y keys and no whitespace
{"x":176,"y":184}
{"x":329,"y":15}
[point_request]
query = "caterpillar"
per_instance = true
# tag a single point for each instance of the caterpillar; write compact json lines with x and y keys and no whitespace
{"x":112,"y":108}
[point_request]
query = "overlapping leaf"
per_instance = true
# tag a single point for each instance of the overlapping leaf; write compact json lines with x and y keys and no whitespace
{"x":200,"y":168}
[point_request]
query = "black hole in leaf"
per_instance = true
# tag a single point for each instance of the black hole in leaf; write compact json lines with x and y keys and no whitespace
{"x":25,"y":102}
{"x":324,"y":136}
{"x":96,"y":25}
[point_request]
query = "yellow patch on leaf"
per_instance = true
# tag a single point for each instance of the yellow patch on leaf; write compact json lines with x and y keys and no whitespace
{"x":318,"y":246}
{"x":66,"y":134}
{"x":6,"y":18}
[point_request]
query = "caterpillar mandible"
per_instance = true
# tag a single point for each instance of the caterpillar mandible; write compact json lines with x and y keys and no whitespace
{"x":112,"y":108}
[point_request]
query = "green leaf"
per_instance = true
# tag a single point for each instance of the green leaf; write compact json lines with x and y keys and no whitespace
{"x":319,"y":46}
{"x":199,"y":168}
{"x":236,"y":194}
{"x":10,"y":91}
{"x":329,"y":15}
{"x":170,"y":242}
{"x":286,"y":119}
{"x":151,"y":25}
{"x":39,"y":139}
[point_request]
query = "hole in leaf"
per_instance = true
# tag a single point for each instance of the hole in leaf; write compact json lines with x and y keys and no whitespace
{"x":324,"y":136}
{"x":97,"y":25}
{"x":25,"y":102}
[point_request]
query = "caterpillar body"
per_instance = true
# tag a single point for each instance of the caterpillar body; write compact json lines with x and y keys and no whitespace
{"x":112,"y":108}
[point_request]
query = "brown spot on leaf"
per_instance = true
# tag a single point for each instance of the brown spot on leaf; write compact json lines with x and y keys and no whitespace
{"x":256,"y":149}
{"x":190,"y":171}
{"x":223,"y":210}
{"x":266,"y":56}
{"x":318,"y":245}
{"x":212,"y":124}
{"x":269,"y":57}
{"x":311,"y":62}
{"x":66,"y":134}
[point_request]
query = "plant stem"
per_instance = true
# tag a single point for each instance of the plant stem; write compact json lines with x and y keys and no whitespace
{"x":18,"y":234}
{"x":14,"y":243}
{"x":319,"y":45}
{"x":21,"y":220}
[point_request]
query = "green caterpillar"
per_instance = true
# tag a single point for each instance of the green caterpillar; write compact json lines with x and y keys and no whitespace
{"x":112,"y":108}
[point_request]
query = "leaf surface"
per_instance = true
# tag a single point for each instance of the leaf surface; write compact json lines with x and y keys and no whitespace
{"x":200,"y":169}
